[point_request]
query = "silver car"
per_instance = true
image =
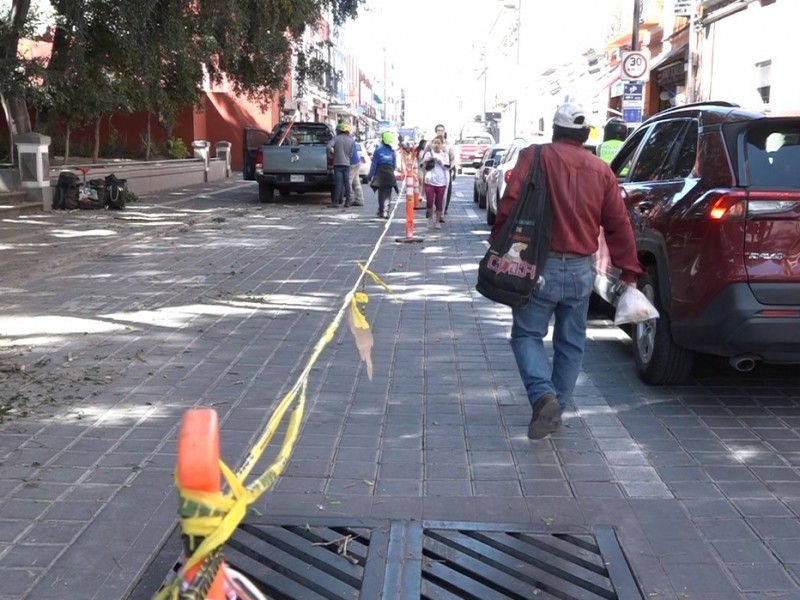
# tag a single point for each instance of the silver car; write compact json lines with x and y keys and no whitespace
{"x":491,"y":158}
{"x":499,"y":176}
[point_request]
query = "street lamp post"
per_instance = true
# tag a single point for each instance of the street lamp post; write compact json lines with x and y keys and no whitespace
{"x":690,"y":75}
{"x":637,"y":16}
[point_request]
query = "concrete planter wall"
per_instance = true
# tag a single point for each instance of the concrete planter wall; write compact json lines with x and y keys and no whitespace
{"x":153,"y":176}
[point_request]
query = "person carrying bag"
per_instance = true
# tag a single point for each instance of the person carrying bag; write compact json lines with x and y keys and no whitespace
{"x":541,"y":260}
{"x":509,"y":271}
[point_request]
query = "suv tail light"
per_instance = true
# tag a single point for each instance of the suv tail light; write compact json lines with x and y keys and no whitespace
{"x":728,"y":206}
{"x":774,"y":203}
{"x":737,"y":204}
{"x":259,"y":160}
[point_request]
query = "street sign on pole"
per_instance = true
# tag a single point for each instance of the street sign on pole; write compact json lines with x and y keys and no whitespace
{"x":633,"y":102}
{"x":635,"y":66}
{"x":632,"y":115}
{"x":632,"y":92}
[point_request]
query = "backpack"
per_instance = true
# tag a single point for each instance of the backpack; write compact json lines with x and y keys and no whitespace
{"x":114,"y":197}
{"x":67,"y":191}
{"x":90,"y":195}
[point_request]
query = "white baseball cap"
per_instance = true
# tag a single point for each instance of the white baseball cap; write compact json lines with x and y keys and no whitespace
{"x":571,"y":116}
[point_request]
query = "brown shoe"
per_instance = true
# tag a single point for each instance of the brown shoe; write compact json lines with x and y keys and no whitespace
{"x":543,"y":421}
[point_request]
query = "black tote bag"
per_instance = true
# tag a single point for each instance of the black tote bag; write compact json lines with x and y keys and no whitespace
{"x":509,"y":271}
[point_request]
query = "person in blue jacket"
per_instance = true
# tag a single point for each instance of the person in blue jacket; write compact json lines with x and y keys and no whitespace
{"x":381,"y":174}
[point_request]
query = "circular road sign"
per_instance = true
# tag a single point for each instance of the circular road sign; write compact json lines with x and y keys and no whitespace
{"x":634,"y":65}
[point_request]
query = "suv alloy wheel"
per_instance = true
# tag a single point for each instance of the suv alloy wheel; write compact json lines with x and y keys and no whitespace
{"x":658,"y":359}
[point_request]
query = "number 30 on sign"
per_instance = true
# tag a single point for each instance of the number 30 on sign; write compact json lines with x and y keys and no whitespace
{"x":635,"y":66}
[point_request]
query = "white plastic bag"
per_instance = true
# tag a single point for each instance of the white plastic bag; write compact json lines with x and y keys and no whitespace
{"x":634,"y":307}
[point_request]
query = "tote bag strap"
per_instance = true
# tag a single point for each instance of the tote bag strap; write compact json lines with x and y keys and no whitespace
{"x":533,"y":179}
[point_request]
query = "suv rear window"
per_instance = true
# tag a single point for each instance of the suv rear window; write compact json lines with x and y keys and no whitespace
{"x":300,"y":134}
{"x":773,"y":154}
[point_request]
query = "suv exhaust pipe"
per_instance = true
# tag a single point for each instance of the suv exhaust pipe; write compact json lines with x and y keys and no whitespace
{"x":743,"y":364}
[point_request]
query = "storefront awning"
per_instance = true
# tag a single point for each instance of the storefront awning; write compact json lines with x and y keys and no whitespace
{"x":341,"y":109}
{"x":665,"y":59}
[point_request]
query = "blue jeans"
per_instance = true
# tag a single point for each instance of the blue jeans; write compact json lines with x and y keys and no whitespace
{"x":341,"y":184}
{"x":565,"y":293}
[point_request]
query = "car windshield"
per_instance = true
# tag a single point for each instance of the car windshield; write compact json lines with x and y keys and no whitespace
{"x":300,"y":134}
{"x":773,"y":154}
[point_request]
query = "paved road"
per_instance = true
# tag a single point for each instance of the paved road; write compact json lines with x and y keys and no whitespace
{"x":204,"y":297}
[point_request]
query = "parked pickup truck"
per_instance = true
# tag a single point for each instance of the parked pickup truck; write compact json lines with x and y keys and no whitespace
{"x":292,"y":158}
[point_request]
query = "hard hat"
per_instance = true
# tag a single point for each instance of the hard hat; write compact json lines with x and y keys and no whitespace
{"x":615,"y":129}
{"x":388,"y":138}
{"x":343,"y":127}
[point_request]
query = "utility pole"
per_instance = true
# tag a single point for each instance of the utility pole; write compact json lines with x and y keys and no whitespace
{"x":690,"y":76}
{"x":637,"y":16}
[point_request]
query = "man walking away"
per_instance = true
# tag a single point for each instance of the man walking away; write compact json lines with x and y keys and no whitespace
{"x":614,"y":133}
{"x":341,"y":148}
{"x":355,"y":177}
{"x":584,"y":196}
{"x":381,"y":173}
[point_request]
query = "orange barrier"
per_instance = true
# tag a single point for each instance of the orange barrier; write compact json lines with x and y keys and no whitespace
{"x":409,"y":209}
{"x":198,"y":470}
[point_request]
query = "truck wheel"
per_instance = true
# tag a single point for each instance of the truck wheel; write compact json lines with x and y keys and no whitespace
{"x":266,"y":192}
{"x":283,"y":193}
{"x":659,"y":360}
{"x":475,"y":194}
{"x":481,"y":200}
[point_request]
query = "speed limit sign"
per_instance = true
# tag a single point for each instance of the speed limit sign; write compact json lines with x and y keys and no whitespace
{"x":635,"y":66}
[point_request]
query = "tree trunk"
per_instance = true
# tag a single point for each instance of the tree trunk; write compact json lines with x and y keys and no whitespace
{"x":15,"y":107}
{"x":96,"y":146}
{"x":67,"y":132}
{"x":147,"y":139}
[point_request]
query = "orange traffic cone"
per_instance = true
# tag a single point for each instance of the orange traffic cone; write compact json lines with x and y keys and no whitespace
{"x":409,"y":209}
{"x":198,"y":470}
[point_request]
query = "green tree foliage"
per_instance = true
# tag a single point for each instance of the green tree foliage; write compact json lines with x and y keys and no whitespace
{"x":252,"y":41}
{"x":20,"y":77}
{"x":155,"y":55}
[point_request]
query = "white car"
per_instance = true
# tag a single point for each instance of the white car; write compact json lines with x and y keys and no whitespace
{"x":366,"y":162}
{"x":499,"y":176}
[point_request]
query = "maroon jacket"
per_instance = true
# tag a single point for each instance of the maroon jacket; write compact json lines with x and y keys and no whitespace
{"x":585,"y":196}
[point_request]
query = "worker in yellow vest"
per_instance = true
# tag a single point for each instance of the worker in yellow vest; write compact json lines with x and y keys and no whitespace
{"x":614,"y":134}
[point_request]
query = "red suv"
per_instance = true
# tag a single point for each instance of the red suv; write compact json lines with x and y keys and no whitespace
{"x":713,"y":194}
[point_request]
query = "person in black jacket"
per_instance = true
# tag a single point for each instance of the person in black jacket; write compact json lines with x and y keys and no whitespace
{"x":381,"y":173}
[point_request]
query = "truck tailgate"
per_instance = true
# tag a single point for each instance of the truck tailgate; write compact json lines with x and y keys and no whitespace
{"x":295,"y":159}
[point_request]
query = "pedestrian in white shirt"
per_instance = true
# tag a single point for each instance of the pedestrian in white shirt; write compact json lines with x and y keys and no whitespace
{"x":436,"y":164}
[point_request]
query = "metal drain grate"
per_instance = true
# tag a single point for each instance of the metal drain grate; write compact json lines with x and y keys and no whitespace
{"x":312,"y":559}
{"x":479,"y":564}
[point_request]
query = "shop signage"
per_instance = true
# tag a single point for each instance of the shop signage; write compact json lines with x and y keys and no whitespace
{"x":672,"y":75}
{"x":683,"y":8}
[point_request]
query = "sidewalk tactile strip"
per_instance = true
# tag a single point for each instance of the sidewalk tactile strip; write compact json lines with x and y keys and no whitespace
{"x":404,"y":560}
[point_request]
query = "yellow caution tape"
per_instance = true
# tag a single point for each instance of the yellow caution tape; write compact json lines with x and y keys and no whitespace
{"x":213,"y":517}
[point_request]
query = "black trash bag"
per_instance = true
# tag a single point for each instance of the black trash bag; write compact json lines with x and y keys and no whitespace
{"x":66,"y":192}
{"x":114,"y":197}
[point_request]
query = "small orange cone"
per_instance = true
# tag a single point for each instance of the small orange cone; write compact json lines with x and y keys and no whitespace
{"x":198,"y":470}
